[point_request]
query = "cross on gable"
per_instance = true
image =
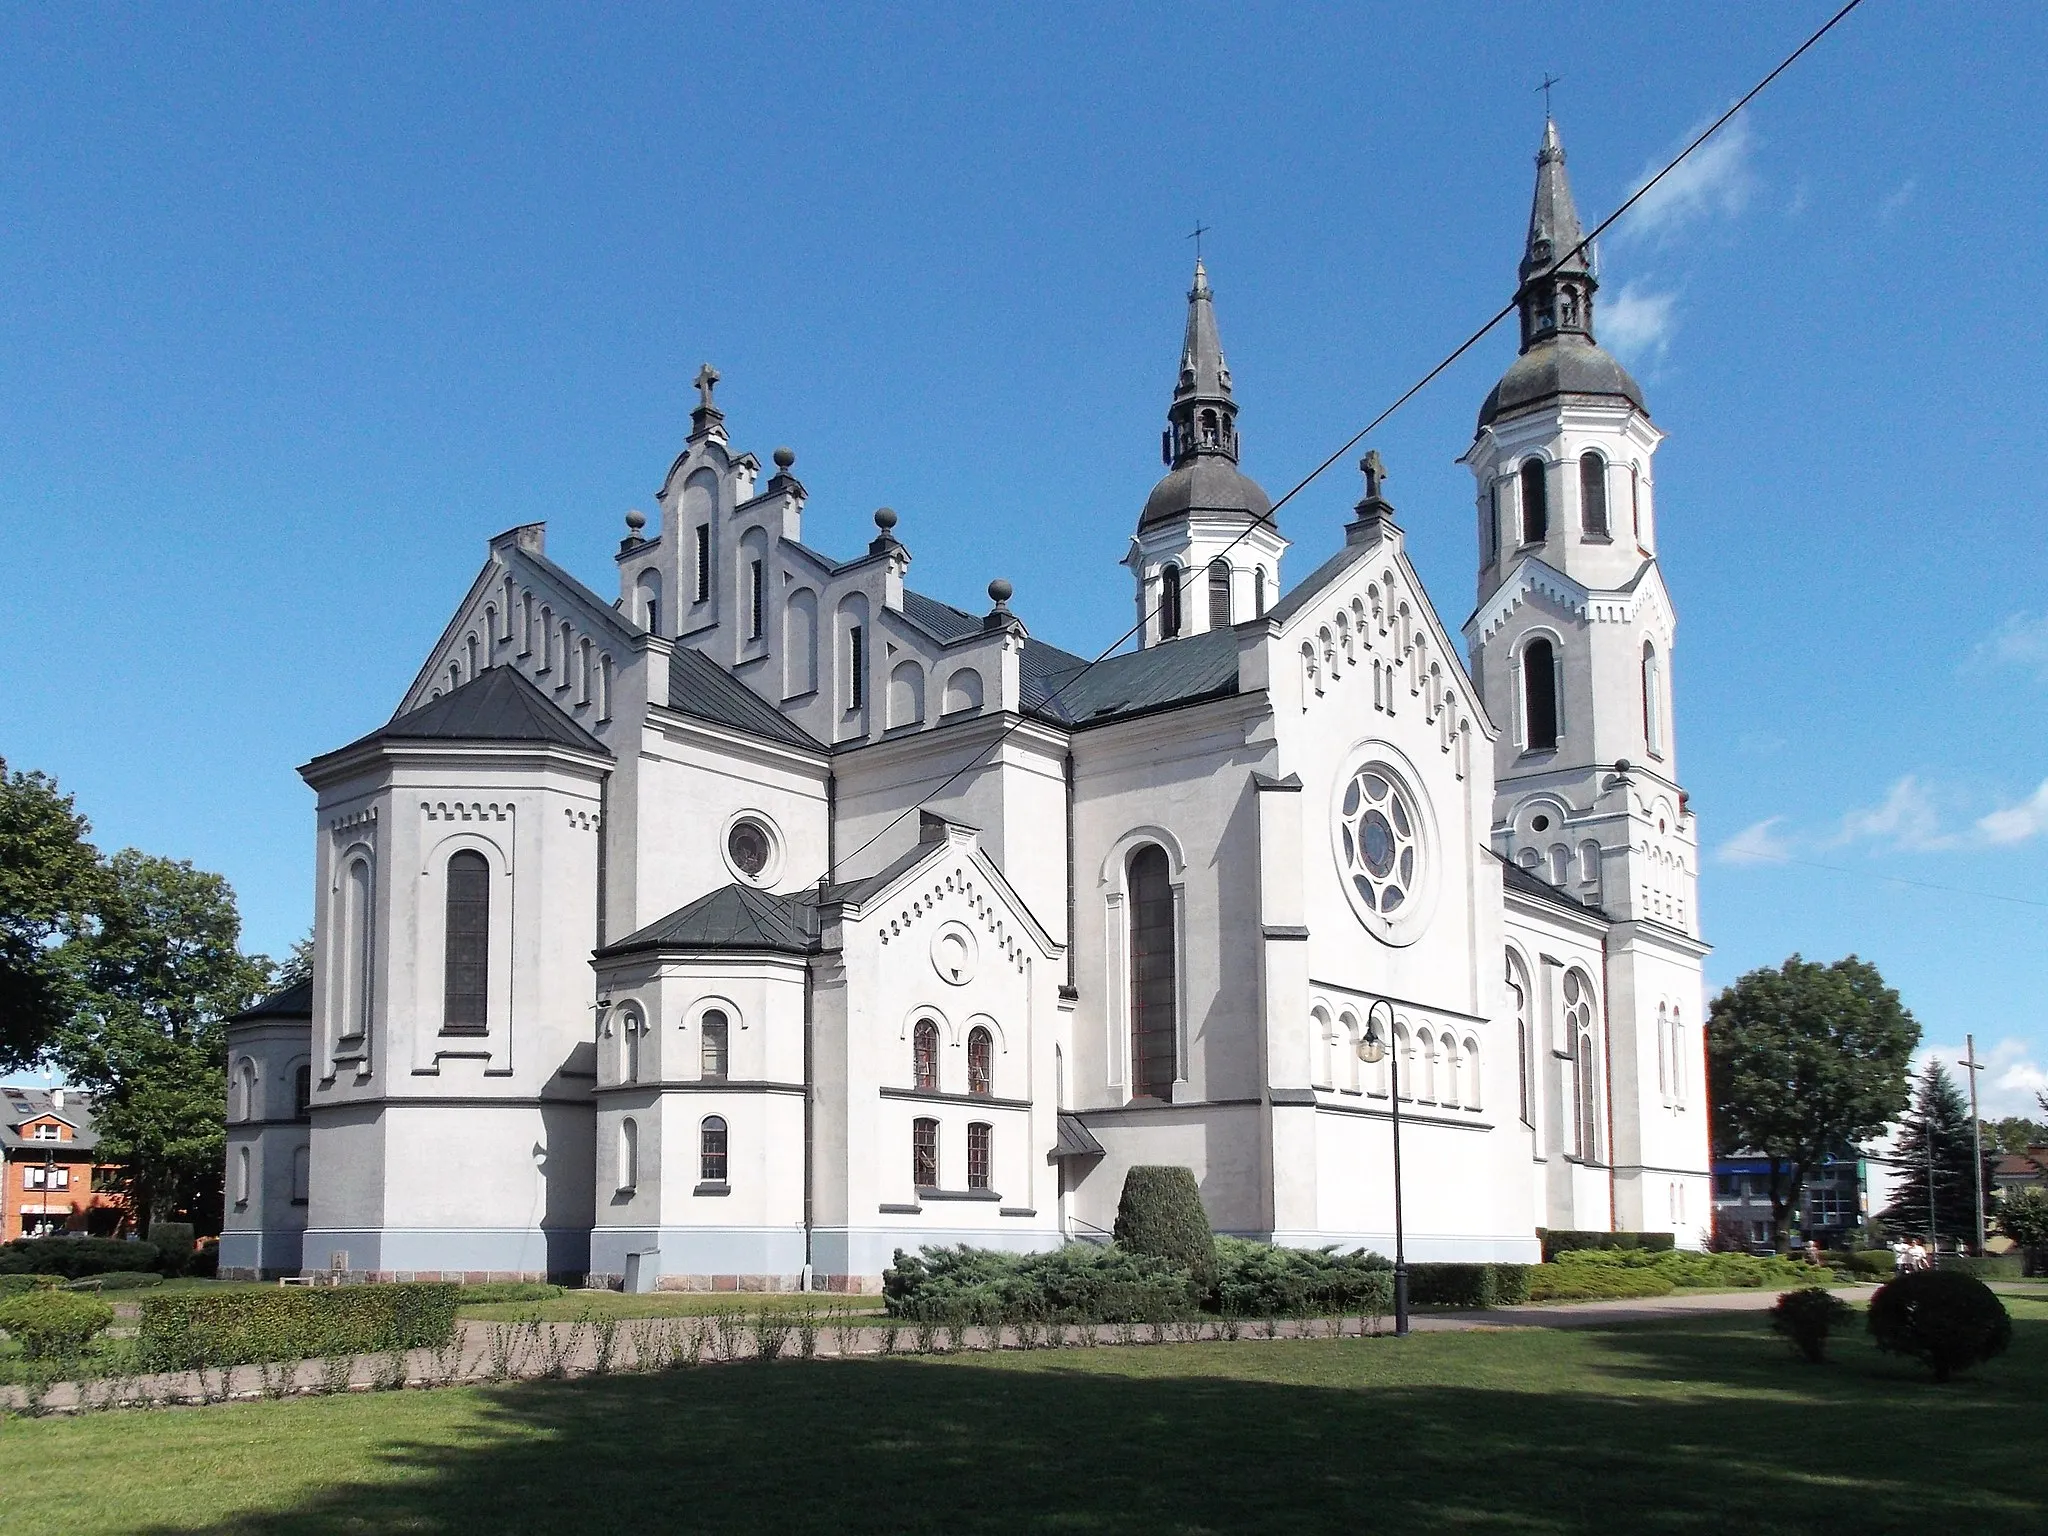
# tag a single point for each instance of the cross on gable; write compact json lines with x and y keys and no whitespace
{"x":706,"y":381}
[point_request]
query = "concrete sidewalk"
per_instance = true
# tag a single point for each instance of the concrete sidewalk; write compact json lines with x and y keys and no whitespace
{"x":1635,"y":1309}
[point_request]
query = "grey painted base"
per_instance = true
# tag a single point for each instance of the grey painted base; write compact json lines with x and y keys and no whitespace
{"x":1474,"y":1249}
{"x":870,"y":1250}
{"x":701,"y":1252}
{"x":260,"y":1254}
{"x":385,"y":1251}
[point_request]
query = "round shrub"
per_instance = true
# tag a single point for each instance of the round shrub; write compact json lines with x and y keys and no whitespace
{"x":1806,"y":1316}
{"x":53,"y":1324}
{"x":1942,"y":1317}
{"x":175,"y":1242}
{"x":1161,"y":1215}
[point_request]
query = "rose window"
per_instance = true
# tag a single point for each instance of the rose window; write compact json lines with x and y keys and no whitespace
{"x":1377,"y":827}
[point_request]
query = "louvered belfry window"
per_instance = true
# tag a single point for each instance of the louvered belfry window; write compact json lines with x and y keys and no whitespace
{"x":466,"y":996}
{"x":1154,"y":1028}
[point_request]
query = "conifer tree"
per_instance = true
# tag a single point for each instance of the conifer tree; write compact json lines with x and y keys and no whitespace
{"x":1934,"y":1146}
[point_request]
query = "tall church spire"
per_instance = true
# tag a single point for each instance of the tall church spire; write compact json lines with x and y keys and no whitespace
{"x":1203,"y":416}
{"x":1557,"y":278}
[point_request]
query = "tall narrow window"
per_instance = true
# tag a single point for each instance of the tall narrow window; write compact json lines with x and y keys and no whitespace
{"x":1518,"y":1000}
{"x":1677,"y":1059}
{"x":1635,"y":500}
{"x":1539,"y":695}
{"x":1259,"y":591}
{"x":924,"y":1153}
{"x":1493,"y":525}
{"x":1535,"y":503}
{"x":357,"y":947}
{"x":1578,"y":1024}
{"x":1653,"y":701}
{"x":980,"y":1141}
{"x":857,"y":661}
{"x":1169,"y":601}
{"x":924,"y":1055}
{"x":1155,"y":1028}
{"x":632,"y":1029}
{"x":629,"y":1154}
{"x":703,"y":562}
{"x":981,"y":1062}
{"x":712,"y":1060}
{"x":650,"y":601}
{"x":241,"y":1178}
{"x":465,"y":997}
{"x":1663,"y":1053}
{"x":302,"y":1094}
{"x":1593,"y":496}
{"x":1219,"y":594}
{"x":756,"y":598}
{"x":245,"y":1089}
{"x":1589,"y":1124}
{"x":302,"y":1175}
{"x":711,"y":1150}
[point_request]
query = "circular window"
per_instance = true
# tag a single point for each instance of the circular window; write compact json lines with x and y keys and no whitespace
{"x":753,"y":850}
{"x":954,"y":953}
{"x":1382,"y":839}
{"x":1541,"y":823}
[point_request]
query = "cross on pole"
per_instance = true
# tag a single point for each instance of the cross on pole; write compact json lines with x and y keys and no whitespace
{"x":1548,"y":81}
{"x":1201,"y":229}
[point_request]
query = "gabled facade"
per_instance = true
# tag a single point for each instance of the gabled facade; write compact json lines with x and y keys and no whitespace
{"x":776,"y":916}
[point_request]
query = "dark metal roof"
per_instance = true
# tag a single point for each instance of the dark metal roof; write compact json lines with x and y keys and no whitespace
{"x":1075,"y":1140}
{"x":732,"y":917}
{"x":1206,"y":483}
{"x":292,"y":1002}
{"x":701,"y":688}
{"x":1564,"y":364}
{"x":498,"y":704}
{"x":1516,"y":878}
{"x":21,"y":1105}
{"x":1161,"y":676}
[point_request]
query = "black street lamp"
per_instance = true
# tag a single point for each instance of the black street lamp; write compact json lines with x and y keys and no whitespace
{"x":1376,"y":1043}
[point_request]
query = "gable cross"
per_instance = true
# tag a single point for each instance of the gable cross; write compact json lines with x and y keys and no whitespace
{"x":706,"y":381}
{"x":1375,"y":474}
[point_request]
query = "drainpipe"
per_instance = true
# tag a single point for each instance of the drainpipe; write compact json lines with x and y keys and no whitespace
{"x":1069,"y":776}
{"x":604,"y":833}
{"x":810,"y":1093}
{"x":832,"y":824}
{"x":1607,"y":1049}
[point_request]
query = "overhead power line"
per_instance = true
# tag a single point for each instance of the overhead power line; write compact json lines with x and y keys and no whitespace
{"x":981,"y":758}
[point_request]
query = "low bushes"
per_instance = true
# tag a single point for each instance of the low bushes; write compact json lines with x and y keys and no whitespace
{"x":1560,"y":1242}
{"x":176,"y":1242}
{"x":1996,"y":1266}
{"x":1161,"y":1215}
{"x":1468,"y":1285}
{"x":21,"y":1285}
{"x":1699,"y":1269}
{"x":74,"y":1257}
{"x":116,"y":1280}
{"x":1595,"y":1282}
{"x":508,"y":1290}
{"x":186,"y":1332}
{"x":1806,"y":1316}
{"x":1947,"y":1319}
{"x":1865,"y":1263}
{"x":53,"y":1325}
{"x":1260,"y":1280}
{"x":1080,"y":1282}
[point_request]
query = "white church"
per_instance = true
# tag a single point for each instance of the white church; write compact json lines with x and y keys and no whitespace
{"x":743,"y":928}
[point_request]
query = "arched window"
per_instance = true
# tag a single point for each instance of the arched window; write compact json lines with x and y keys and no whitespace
{"x":629,"y":1154}
{"x":1219,"y":594}
{"x":1447,"y":1085}
{"x":1472,"y":1073}
{"x":800,"y":643}
{"x":245,"y":1089}
{"x":1493,"y":525}
{"x":963,"y":691}
{"x":241,"y":1178}
{"x":906,"y":694}
{"x":980,"y":1150}
{"x":1404,"y":1053}
{"x":302,"y":1175}
{"x":1259,"y":591}
{"x":631,"y":1027}
{"x":1678,"y":1082}
{"x":649,"y":590}
{"x":302,"y":1094}
{"x":1653,"y":701}
{"x":1518,"y":1003}
{"x":1578,"y":1020}
{"x":1593,"y":496}
{"x":712,"y":1051}
{"x":1664,"y":1052}
{"x":711,"y":1150}
{"x":1325,"y":1035}
{"x":924,"y":1056}
{"x":1169,"y":601}
{"x":1635,"y":500}
{"x":356,"y":947}
{"x":1209,"y":429}
{"x":1539,"y":695}
{"x":1155,"y":1027}
{"x":924,"y":1153}
{"x":981,"y":1062}
{"x":465,"y":995}
{"x":1535,"y":503}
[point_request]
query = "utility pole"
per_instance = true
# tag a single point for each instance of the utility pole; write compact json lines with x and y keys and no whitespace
{"x":1976,"y":1136}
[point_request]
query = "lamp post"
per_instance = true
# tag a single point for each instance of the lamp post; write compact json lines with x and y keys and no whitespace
{"x":1376,"y":1043}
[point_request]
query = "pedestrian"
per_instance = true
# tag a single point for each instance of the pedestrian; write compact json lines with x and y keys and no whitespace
{"x":1813,"y":1251}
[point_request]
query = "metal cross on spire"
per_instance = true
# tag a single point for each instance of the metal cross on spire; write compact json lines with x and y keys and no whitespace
{"x":1548,"y":81}
{"x":706,"y":381}
{"x":1201,"y":229}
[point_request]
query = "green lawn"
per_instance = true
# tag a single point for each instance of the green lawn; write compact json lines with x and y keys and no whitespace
{"x":1698,"y":1425}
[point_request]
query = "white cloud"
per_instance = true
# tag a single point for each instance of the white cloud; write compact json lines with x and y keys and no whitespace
{"x":1907,"y":818}
{"x":2008,"y":1081}
{"x":1715,"y":179}
{"x":1895,"y":203}
{"x":2017,"y":823}
{"x":1758,"y":843}
{"x":2021,"y":641}
{"x":1638,"y":324}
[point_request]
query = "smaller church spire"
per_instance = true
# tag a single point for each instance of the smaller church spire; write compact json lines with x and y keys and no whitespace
{"x":1557,"y":277}
{"x":1203,"y":416}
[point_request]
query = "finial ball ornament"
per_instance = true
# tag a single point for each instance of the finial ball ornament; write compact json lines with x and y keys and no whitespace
{"x":635,"y":519}
{"x":885,"y":518}
{"x":784,"y":457}
{"x":999,"y":590}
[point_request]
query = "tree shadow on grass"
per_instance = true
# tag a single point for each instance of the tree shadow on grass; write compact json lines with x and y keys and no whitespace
{"x":1235,"y":1438}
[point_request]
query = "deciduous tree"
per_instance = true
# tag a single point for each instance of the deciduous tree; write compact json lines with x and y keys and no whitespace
{"x":1804,"y":1061}
{"x":49,"y":876}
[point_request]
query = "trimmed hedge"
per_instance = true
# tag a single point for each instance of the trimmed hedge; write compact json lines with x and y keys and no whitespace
{"x":21,"y":1285}
{"x":1595,"y":1282}
{"x":53,"y":1325}
{"x":1260,"y":1280}
{"x":1078,"y":1283}
{"x":1468,"y":1286}
{"x":1160,"y":1214}
{"x":1996,"y":1266}
{"x":508,"y":1290}
{"x":1701,"y":1269}
{"x":185,"y":1332}
{"x":74,"y":1257}
{"x":1562,"y":1242}
{"x":116,"y":1280}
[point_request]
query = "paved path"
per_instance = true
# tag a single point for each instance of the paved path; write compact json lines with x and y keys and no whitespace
{"x":1639,"y":1309}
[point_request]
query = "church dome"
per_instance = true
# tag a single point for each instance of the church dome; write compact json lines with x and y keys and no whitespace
{"x":1562,"y":365}
{"x":1205,"y":483}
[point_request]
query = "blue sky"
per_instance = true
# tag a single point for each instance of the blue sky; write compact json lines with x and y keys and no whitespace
{"x":298,"y":308}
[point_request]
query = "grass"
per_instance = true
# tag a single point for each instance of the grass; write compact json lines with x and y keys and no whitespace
{"x":1693,"y":1425}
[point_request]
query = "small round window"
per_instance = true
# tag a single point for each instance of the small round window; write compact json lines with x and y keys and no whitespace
{"x":749,"y":848}
{"x":1380,"y":847}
